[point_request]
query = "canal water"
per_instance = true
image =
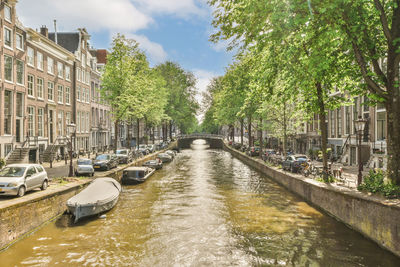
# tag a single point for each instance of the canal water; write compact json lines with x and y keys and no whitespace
{"x":206,"y":208}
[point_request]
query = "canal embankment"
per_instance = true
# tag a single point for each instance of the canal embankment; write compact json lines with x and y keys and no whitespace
{"x":374,"y":217}
{"x":21,"y":216}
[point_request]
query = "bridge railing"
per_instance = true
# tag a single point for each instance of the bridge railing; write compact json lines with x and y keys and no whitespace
{"x":200,"y":136}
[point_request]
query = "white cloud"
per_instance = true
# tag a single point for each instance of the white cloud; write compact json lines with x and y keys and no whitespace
{"x":95,"y":15}
{"x":155,"y":51}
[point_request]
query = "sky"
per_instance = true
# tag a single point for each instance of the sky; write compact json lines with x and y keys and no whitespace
{"x":174,"y":30}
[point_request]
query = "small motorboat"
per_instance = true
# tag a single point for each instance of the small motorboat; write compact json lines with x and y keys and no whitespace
{"x":164,"y":157}
{"x":136,"y":175}
{"x":154,"y":163}
{"x":171,"y":153}
{"x":101,"y":195}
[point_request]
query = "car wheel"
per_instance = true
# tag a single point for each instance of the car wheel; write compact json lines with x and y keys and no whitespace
{"x":44,"y":185}
{"x":21,"y":191}
{"x":107,"y":168}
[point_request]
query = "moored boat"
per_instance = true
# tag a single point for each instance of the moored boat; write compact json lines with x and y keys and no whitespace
{"x":154,"y":163}
{"x":101,"y":195}
{"x":164,"y":157}
{"x":135,"y":175}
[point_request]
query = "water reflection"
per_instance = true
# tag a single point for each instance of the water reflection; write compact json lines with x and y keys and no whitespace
{"x":205,"y":208}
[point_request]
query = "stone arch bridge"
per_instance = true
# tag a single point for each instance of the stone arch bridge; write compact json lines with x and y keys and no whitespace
{"x":213,"y":140}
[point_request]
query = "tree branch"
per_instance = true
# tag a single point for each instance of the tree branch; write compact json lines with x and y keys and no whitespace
{"x":384,"y":21}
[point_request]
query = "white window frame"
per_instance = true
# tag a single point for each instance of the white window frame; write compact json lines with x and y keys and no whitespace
{"x":23,"y":72}
{"x":40,"y":88}
{"x":17,"y":43}
{"x":60,"y":70}
{"x":8,"y":8}
{"x":50,"y":67}
{"x":30,"y":57}
{"x":67,"y":73}
{"x":31,"y":121}
{"x":60,"y":94}
{"x":11,"y":37}
{"x":67,"y":95}
{"x":48,"y":90}
{"x":31,"y":86}
{"x":12,"y":69}
{"x":40,"y":116}
{"x":39,"y":57}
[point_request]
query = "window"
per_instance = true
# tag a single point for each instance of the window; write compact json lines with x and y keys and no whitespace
{"x":30,"y":57}
{"x":20,"y":105}
{"x":381,"y":126}
{"x":83,"y":125}
{"x":83,"y":76}
{"x":87,"y":77}
{"x":67,"y":73}
{"x":50,"y":91}
{"x":67,"y":118}
{"x":60,"y":94}
{"x":8,"y":68}
{"x":19,"y":41}
{"x":31,"y":118}
{"x":60,"y":70}
{"x":78,"y":71}
{"x":78,"y":93}
{"x":83,"y":59}
{"x":67,"y":95}
{"x":347,"y":118}
{"x":78,"y":122}
{"x":40,"y":121}
{"x":50,"y":65}
{"x":8,"y":108}
{"x":332,"y":123}
{"x":87,"y":122}
{"x":339,"y":122}
{"x":30,"y":85}
{"x":7,"y":37}
{"x":20,"y":72}
{"x":60,"y":123}
{"x":39,"y":88}
{"x":7,"y":13}
{"x":39,"y":61}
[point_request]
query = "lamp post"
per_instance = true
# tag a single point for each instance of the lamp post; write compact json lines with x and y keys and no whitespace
{"x":360,"y":125}
{"x":71,"y":131}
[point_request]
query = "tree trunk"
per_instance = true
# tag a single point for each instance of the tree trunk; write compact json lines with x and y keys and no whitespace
{"x":116,"y":125}
{"x":393,"y":141}
{"x":261,"y":138}
{"x":241,"y":131}
{"x":170,"y":130}
{"x":146,"y":132}
{"x":138,"y":133}
{"x":324,"y":130}
{"x":233,"y":133}
{"x":249,"y":130}
{"x":284,"y":130}
{"x":130,"y":133}
{"x":153,"y":137}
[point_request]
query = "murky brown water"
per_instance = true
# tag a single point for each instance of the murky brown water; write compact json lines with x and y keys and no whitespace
{"x":204,"y":209}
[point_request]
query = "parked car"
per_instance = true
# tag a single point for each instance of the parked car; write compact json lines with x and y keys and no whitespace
{"x":151,"y":148}
{"x":84,"y":167}
{"x":253,"y":151}
{"x":293,"y":162}
{"x":143,"y":149}
{"x":236,"y":145}
{"x":16,"y":179}
{"x":105,"y":162}
{"x":124,"y":156}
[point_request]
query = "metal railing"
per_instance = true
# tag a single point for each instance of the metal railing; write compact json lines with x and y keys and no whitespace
{"x":200,"y":136}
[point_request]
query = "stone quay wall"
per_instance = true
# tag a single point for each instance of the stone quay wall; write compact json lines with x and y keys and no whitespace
{"x":376,"y":218}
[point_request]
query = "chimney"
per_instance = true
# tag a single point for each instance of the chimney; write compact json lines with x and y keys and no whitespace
{"x":55,"y":32}
{"x":44,"y":31}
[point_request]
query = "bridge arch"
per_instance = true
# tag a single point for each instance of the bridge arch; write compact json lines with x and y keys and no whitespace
{"x":215,"y":141}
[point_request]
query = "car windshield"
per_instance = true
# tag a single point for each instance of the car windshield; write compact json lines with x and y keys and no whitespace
{"x":103,"y":157}
{"x":12,"y":172}
{"x":142,"y":146}
{"x":84,"y":162}
{"x":301,"y":158}
{"x":122,"y":152}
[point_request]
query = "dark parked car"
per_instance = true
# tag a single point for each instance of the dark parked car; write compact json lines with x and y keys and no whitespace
{"x":293,"y":162}
{"x":105,"y":162}
{"x":124,"y":156}
{"x":253,"y":151}
{"x":143,"y":149}
{"x":236,"y":145}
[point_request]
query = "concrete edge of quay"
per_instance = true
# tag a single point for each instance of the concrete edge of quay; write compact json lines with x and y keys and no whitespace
{"x":21,"y":216}
{"x":374,"y":217}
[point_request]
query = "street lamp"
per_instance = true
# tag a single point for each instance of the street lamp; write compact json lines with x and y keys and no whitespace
{"x":360,"y":125}
{"x":71,"y":130}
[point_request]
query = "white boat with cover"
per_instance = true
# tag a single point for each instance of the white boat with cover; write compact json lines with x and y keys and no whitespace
{"x":100,"y":196}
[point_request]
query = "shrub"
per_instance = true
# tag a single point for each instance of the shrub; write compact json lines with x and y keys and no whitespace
{"x":2,"y":163}
{"x":374,"y":182}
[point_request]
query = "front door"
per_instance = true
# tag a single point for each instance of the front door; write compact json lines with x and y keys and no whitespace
{"x":18,"y":130}
{"x":51,"y":123}
{"x":32,"y":155}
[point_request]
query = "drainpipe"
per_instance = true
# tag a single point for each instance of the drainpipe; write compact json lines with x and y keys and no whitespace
{"x":55,"y":32}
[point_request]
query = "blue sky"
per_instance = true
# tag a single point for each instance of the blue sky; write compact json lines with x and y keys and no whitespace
{"x":176,"y":30}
